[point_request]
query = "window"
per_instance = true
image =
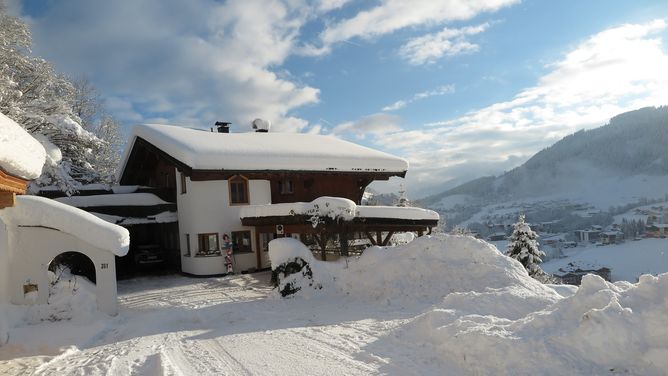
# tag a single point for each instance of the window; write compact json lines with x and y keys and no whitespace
{"x":208,"y":244}
{"x":183,"y":183}
{"x":241,"y":242}
{"x":285,"y":187}
{"x":187,"y":245}
{"x":238,"y":190}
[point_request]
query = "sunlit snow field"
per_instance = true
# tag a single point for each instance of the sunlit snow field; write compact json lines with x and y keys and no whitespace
{"x":439,"y":305}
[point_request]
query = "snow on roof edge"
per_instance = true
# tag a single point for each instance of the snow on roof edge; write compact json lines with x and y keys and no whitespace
{"x":335,"y":207}
{"x":21,"y":155}
{"x":40,"y":211}
{"x":198,"y":153}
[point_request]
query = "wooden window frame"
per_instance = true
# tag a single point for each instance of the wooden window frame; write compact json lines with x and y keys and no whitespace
{"x":233,"y":180}
{"x":282,"y":184}
{"x":184,"y":188}
{"x":203,"y":240}
{"x":235,"y":246}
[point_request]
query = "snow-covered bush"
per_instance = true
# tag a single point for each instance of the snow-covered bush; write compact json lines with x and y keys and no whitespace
{"x":291,"y":267}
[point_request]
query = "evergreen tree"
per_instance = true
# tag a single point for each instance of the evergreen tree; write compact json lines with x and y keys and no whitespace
{"x":523,"y":247}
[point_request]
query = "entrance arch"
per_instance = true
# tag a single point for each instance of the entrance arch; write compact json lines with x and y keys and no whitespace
{"x":78,"y":264}
{"x":38,"y":246}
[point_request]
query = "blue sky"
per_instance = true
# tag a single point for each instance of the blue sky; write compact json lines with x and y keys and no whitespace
{"x":459,"y":88}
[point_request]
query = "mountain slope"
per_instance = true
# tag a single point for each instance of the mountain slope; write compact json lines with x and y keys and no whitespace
{"x":630,"y":154}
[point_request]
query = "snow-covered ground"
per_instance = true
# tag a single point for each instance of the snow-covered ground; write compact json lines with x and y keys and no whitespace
{"x":438,"y":305}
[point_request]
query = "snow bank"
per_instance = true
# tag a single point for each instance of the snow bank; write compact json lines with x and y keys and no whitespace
{"x":486,"y":316}
{"x":20,"y":154}
{"x":40,"y":211}
{"x":427,"y":269}
{"x":432,"y":267}
{"x":71,"y":297}
{"x":603,"y":328}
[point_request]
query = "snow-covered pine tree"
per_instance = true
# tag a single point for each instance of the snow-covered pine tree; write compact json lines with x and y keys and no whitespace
{"x":43,"y":102}
{"x":523,"y":247}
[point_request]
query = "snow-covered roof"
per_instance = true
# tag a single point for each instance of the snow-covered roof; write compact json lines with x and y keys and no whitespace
{"x":336,"y":207}
{"x":123,"y":199}
{"x":164,"y":217}
{"x":254,"y":151}
{"x":40,"y":211}
{"x":20,"y":154}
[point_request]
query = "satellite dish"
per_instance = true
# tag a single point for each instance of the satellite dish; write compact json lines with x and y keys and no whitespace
{"x":261,"y":125}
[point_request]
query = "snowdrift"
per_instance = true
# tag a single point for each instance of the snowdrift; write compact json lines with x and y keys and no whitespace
{"x":485,"y":315}
{"x":427,"y":269}
{"x":603,"y":328}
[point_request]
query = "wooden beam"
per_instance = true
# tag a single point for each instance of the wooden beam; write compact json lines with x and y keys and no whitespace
{"x":7,"y":199}
{"x":10,"y":183}
{"x":323,"y":245}
{"x":387,"y":238}
{"x":371,"y":239}
{"x":258,"y":249}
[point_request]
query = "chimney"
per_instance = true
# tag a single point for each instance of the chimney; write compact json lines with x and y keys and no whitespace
{"x":223,"y":126}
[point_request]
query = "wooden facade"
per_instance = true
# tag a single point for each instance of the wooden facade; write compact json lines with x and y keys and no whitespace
{"x":148,"y":165}
{"x":10,"y":186}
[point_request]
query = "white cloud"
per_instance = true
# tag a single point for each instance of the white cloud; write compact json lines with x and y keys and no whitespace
{"x":617,"y":70}
{"x":328,"y":5}
{"x":443,"y":90}
{"x":392,"y":15}
{"x":447,"y":42}
{"x":376,"y":124}
{"x":191,"y":62}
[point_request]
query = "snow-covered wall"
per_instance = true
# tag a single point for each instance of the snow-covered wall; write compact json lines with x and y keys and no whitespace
{"x":36,"y":247}
{"x":37,"y":229}
{"x":4,"y":265}
{"x":205,"y":208}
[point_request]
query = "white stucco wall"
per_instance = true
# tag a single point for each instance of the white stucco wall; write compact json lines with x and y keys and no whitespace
{"x":33,"y":249}
{"x":205,"y":208}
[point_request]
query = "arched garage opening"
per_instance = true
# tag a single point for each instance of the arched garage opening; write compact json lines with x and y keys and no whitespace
{"x":75,"y":263}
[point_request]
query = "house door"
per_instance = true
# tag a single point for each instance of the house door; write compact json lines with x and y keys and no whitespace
{"x":265,"y":238}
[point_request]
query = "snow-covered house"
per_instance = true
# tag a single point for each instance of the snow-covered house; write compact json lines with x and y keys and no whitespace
{"x":256,"y":186}
{"x":34,"y":230}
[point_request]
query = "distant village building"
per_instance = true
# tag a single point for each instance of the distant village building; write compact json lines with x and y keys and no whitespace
{"x":254,"y":187}
{"x":658,"y":229}
{"x":611,"y":237}
{"x":588,"y":236}
{"x":575,"y":277}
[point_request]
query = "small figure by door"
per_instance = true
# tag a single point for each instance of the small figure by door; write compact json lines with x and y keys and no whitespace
{"x":227,"y":250}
